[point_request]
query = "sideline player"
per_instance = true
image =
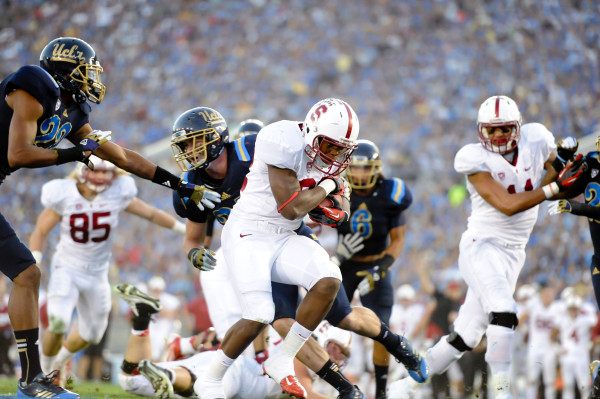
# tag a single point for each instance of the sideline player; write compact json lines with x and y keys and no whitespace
{"x":377,"y":206}
{"x":506,"y":181}
{"x":86,"y":204}
{"x":40,"y":106}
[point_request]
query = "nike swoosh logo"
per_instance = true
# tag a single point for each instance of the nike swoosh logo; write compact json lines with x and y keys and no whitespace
{"x":244,"y":235}
{"x":526,"y":169}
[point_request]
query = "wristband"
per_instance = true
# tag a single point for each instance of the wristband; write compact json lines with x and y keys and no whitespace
{"x":558,"y":164}
{"x":178,"y":227}
{"x":191,"y":253}
{"x":550,"y":190}
{"x":328,"y":185}
{"x":386,"y":261}
{"x":38,"y":256}
{"x":65,"y":155}
{"x":165,"y":178}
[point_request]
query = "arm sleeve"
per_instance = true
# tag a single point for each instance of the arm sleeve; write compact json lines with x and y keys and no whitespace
{"x":581,"y":209}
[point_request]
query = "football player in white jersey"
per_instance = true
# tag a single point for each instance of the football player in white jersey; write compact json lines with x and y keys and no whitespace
{"x":295,"y":167}
{"x":540,"y":315}
{"x":509,"y":172}
{"x":87,"y":206}
{"x":574,"y":326}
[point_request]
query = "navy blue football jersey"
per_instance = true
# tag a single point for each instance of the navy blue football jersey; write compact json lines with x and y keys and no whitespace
{"x":373,"y":216}
{"x":591,"y":192}
{"x":57,"y":120}
{"x":240,"y":154}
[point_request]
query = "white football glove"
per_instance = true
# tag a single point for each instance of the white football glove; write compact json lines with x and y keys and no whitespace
{"x":347,"y":246}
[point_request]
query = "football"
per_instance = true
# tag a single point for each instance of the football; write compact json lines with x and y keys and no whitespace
{"x":328,"y":202}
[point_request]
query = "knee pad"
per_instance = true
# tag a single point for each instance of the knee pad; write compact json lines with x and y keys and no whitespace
{"x":456,"y":341}
{"x":504,"y":319}
{"x":258,"y":306}
{"x":57,"y":325}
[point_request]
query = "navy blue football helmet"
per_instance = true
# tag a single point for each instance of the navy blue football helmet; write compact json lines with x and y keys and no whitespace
{"x":75,"y":67}
{"x":249,"y":126}
{"x":198,"y":137}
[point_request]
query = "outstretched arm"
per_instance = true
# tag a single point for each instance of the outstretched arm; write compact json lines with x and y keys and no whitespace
{"x":579,"y":209}
{"x":154,"y":215}
{"x":47,"y":220}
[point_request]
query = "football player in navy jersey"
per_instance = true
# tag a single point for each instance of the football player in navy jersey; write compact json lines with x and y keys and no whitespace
{"x":40,"y":106}
{"x":223,"y":170}
{"x":589,"y":185}
{"x":377,"y":213}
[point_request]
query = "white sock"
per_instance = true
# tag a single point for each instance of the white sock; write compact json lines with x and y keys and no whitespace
{"x":281,"y":364}
{"x":440,"y":356}
{"x":499,"y":346}
{"x":47,"y":362}
{"x":294,"y":340}
{"x":186,"y":347}
{"x":63,"y":356}
{"x":218,"y":367}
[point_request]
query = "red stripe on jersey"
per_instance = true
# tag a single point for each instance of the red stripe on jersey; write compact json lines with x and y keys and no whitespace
{"x":497,"y":107}
{"x":349,"y":131}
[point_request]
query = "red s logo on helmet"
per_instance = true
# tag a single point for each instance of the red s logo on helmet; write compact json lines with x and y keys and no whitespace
{"x":321,"y":109}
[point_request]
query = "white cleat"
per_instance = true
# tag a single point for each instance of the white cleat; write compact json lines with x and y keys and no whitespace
{"x":133,"y":297}
{"x":158,"y":377}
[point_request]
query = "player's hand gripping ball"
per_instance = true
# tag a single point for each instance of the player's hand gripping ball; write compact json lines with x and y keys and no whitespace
{"x":332,"y":211}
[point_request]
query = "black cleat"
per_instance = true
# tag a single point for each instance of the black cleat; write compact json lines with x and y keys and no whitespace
{"x":355,"y":393}
{"x":414,"y":363}
{"x":43,"y":386}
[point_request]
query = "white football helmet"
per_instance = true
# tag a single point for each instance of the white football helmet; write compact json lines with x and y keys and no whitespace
{"x":97,"y":180}
{"x":499,"y":111}
{"x":406,"y":291}
{"x":330,"y":122}
{"x":326,"y":333}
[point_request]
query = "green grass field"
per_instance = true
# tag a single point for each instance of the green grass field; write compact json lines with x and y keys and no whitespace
{"x":87,"y":390}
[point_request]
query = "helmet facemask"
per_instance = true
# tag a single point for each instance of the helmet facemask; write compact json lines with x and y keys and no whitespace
{"x":363,"y":173}
{"x":100,"y":178}
{"x":87,"y":77}
{"x":499,"y":112}
{"x":330,"y":156}
{"x":191,"y":149}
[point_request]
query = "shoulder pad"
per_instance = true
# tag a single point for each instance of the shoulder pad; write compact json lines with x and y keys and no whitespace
{"x":397,"y":192}
{"x":35,"y":81}
{"x":244,"y":147}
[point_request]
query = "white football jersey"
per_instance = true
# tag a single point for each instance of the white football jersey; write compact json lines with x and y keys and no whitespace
{"x":279,"y":144}
{"x":542,"y":319}
{"x":575,"y":333}
{"x":86,"y":228}
{"x":535,"y":146}
{"x":404,"y":319}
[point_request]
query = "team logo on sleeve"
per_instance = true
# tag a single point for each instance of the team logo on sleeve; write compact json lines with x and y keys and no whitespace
{"x":57,"y":106}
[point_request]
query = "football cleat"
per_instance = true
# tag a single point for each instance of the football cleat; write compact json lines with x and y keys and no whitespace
{"x":595,"y":391}
{"x":414,"y":363}
{"x":290,"y":385}
{"x":158,"y":377}
{"x":43,"y":386}
{"x":354,"y":393}
{"x":135,"y":297}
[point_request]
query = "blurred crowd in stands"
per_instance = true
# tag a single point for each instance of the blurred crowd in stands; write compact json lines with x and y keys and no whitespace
{"x":415,"y":71}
